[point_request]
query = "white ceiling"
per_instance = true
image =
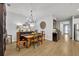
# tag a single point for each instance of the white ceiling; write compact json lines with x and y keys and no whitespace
{"x":61,"y":11}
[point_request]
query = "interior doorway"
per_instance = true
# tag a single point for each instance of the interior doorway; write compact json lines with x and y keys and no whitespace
{"x":66,"y":31}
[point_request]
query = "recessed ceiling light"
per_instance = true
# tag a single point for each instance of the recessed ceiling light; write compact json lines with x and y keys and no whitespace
{"x":78,"y":9}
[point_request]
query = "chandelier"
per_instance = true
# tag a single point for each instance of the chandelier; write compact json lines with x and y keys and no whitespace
{"x":30,"y":22}
{"x":30,"y":18}
{"x":29,"y":25}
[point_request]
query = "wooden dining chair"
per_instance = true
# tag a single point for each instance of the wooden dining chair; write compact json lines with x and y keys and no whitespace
{"x":21,"y":41}
{"x":34,"y":41}
{"x":43,"y":35}
{"x":40,"y":38}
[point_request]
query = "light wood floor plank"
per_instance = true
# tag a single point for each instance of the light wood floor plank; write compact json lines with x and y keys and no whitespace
{"x":63,"y":47}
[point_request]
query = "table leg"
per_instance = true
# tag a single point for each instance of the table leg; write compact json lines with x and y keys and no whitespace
{"x":28,"y":43}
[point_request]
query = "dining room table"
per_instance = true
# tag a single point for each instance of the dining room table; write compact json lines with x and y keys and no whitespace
{"x":31,"y":37}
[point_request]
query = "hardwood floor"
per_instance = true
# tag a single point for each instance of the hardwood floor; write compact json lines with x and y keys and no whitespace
{"x":63,"y":47}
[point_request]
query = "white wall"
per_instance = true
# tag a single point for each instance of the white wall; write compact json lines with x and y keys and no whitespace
{"x":12,"y":19}
{"x":49,"y":26}
{"x":72,"y":27}
{"x":76,"y":20}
